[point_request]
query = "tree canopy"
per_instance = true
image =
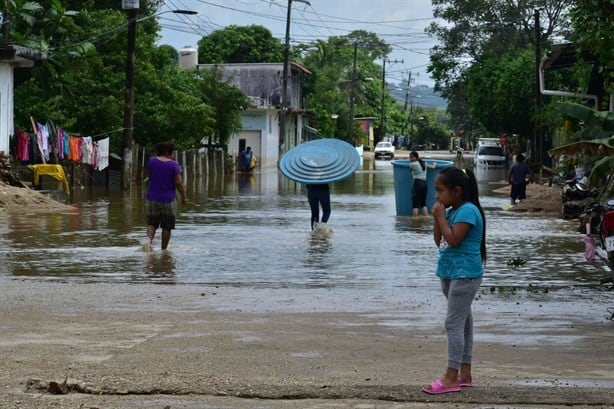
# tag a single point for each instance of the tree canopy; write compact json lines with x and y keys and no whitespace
{"x":81,"y":86}
{"x":336,"y":81}
{"x":485,"y":64}
{"x":593,"y":21}
{"x":240,"y":44}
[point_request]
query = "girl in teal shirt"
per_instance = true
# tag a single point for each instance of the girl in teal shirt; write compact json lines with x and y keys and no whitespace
{"x":459,"y":231}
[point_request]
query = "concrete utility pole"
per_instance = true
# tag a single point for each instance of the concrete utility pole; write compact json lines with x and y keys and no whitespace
{"x":538,"y":96}
{"x":284,"y":81}
{"x":129,"y":100}
{"x":352,"y":99}
{"x":382,"y":125}
{"x":132,"y":7}
{"x":407,"y":91}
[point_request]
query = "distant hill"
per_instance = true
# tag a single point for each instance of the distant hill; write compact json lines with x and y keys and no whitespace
{"x":420,"y":95}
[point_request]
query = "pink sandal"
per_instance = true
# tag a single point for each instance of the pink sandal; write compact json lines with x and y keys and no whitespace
{"x":437,"y":387}
{"x":464,"y":383}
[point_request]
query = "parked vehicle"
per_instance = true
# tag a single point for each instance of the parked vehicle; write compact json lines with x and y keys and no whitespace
{"x":599,"y":222}
{"x":489,"y":153}
{"x":384,"y":150}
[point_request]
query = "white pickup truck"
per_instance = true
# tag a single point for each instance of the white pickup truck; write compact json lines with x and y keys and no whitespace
{"x":489,"y":153}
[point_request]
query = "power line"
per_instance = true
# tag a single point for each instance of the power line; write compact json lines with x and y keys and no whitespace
{"x":308,"y":24}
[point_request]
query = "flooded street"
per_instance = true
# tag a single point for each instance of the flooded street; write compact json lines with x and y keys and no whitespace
{"x":248,"y":302}
{"x":252,"y":231}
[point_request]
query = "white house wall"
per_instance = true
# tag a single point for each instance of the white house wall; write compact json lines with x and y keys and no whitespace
{"x":266,"y":123}
{"x":262,"y":83}
{"x":6,"y":106}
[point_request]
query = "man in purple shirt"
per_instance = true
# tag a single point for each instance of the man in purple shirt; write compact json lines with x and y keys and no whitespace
{"x":161,"y":204}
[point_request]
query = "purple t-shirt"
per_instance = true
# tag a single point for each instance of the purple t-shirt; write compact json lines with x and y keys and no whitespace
{"x":162,"y":179}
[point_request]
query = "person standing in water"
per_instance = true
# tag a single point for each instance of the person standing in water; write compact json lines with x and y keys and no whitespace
{"x":519,"y":172}
{"x":417,"y":168}
{"x":245,"y":159}
{"x":318,"y":195}
{"x":459,"y":230}
{"x":164,"y":181}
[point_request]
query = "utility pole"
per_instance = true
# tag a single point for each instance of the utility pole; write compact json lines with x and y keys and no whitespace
{"x":405,"y":127}
{"x":284,"y":82}
{"x":352,"y":99}
{"x":129,"y":100}
{"x":382,"y":125}
{"x":538,"y":95}
{"x":132,"y":6}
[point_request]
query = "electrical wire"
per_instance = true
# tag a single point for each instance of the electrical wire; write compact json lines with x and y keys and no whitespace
{"x":308,"y":25}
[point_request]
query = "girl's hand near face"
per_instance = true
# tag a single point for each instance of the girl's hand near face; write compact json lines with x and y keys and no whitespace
{"x":438,"y":211}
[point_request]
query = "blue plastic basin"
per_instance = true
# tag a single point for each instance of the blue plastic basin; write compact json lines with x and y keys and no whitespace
{"x":404,"y":181}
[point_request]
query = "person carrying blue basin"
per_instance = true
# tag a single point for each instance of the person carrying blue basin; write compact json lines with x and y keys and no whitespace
{"x":319,"y":195}
{"x":417,"y":168}
{"x":316,"y":164}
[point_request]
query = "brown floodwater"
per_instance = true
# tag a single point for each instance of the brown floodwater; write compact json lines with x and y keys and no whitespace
{"x":252,"y":231}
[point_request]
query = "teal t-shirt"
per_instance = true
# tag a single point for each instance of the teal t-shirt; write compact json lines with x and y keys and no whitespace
{"x":464,"y":260}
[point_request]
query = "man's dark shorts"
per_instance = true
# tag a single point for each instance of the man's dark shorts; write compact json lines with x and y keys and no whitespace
{"x":161,"y":214}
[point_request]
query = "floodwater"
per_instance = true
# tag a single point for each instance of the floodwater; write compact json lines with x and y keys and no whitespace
{"x":252,"y":231}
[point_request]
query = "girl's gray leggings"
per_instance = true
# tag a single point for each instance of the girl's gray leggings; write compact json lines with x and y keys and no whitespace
{"x":459,"y":322}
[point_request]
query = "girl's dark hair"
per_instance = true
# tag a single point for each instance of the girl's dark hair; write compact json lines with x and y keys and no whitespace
{"x":465,"y":179}
{"x":420,"y":161}
{"x":165,"y":148}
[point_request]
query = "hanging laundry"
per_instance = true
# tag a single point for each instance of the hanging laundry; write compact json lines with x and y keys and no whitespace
{"x":52,"y":138}
{"x":23,"y":145}
{"x":76,"y":150}
{"x":102,"y":148}
{"x":66,"y":144}
{"x":60,"y":142}
{"x":43,"y":140}
{"x":87,"y":146}
{"x":33,"y":148}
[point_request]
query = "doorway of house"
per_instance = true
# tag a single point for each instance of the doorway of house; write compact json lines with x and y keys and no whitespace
{"x":251,"y":139}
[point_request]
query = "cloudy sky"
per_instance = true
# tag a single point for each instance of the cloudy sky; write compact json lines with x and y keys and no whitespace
{"x":400,"y":23}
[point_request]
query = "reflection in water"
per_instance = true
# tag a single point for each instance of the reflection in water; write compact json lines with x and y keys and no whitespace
{"x":320,"y":240}
{"x":319,"y":264}
{"x":161,"y":266}
{"x":246,"y":181}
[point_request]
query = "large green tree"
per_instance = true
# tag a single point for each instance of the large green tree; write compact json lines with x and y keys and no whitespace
{"x":81,"y":85}
{"x":336,"y":80}
{"x":240,"y":44}
{"x":593,"y":21}
{"x":485,"y":60}
{"x":500,"y":92}
{"x":472,"y":29}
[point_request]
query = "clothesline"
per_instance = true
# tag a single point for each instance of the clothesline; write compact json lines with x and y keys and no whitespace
{"x":108,"y":133}
{"x":52,"y":140}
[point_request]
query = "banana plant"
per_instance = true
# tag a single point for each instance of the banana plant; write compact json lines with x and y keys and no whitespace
{"x":595,"y":139}
{"x":599,"y":122}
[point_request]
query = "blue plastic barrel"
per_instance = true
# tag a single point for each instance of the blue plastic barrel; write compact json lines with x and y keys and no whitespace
{"x":404,"y":181}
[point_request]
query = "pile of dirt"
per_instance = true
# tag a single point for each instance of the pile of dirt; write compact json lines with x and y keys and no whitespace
{"x":540,"y":198}
{"x":15,"y":199}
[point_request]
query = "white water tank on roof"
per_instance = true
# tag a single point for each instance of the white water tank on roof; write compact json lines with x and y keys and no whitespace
{"x":188,"y":57}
